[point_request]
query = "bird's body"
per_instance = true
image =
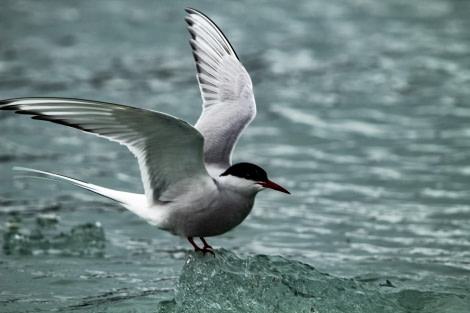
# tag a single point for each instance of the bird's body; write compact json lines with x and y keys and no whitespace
{"x":191,"y":187}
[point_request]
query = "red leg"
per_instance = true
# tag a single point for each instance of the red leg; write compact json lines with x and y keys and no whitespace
{"x":191,"y":241}
{"x":206,"y":245}
{"x":205,"y":249}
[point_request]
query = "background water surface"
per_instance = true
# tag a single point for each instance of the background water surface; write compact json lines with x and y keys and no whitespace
{"x":363,"y":114}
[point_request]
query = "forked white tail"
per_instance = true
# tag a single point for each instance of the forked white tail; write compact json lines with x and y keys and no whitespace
{"x":127,"y":199}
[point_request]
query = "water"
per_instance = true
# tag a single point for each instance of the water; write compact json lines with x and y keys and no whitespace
{"x":363,"y":110}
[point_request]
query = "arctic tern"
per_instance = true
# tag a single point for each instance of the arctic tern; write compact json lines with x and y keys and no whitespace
{"x":191,"y":187}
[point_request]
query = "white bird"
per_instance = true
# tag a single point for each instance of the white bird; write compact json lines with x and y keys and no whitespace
{"x":191,"y":187}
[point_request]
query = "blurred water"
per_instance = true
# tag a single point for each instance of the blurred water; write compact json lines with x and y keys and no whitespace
{"x":363,"y":110}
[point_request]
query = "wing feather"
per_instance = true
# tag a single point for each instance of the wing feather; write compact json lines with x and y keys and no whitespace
{"x":226,"y":90}
{"x":168,"y":149}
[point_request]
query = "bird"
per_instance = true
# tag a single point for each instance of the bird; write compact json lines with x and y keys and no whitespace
{"x":191,"y":187}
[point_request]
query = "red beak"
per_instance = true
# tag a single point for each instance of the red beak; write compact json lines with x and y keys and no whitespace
{"x":273,"y":185}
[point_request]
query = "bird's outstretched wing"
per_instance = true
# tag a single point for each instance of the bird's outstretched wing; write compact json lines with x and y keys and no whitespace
{"x":168,"y":149}
{"x":226,"y":90}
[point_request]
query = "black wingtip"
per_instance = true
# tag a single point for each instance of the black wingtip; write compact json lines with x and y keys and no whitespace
{"x":4,"y":104}
{"x":191,"y":10}
{"x":51,"y":119}
{"x":193,"y":36}
{"x":191,"y":23}
{"x":18,"y":110}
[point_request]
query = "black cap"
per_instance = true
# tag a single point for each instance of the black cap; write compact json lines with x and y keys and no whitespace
{"x":248,"y":171}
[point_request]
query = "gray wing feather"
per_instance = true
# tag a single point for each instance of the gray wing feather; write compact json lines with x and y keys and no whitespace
{"x":226,"y":90}
{"x":168,"y":149}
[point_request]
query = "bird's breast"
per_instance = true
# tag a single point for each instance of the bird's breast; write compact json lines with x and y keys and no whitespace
{"x":210,"y":215}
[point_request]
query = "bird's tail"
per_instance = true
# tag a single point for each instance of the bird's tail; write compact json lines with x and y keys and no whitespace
{"x":127,"y":199}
